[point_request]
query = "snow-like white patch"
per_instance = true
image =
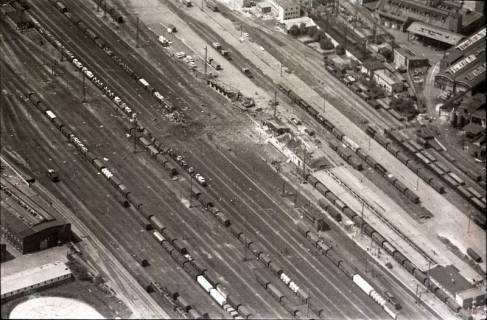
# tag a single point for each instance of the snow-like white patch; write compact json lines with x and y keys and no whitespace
{"x":54,"y":308}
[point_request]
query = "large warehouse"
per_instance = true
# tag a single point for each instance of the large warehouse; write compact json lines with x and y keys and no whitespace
{"x":26,"y":225}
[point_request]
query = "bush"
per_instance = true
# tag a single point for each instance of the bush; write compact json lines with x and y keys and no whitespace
{"x":326,"y":43}
{"x":318,"y":35}
{"x":294,"y":30}
{"x":340,"y":50}
{"x":312,"y":31}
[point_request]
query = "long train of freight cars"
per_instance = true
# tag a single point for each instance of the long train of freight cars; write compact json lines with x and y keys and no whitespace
{"x":453,"y":180}
{"x":115,"y":99}
{"x":348,"y":142}
{"x":437,"y":167}
{"x":380,"y":240}
{"x":153,"y":145}
{"x":347,"y":269}
{"x":174,"y":246}
{"x":108,"y":50}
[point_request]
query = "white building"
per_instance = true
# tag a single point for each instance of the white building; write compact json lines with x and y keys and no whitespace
{"x":286,"y":9}
{"x":387,"y":80}
{"x":35,"y":278}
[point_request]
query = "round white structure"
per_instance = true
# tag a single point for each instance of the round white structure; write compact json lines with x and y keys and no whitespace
{"x":54,"y":308}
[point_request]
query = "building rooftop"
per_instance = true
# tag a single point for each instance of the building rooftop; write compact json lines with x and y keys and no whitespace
{"x":373,"y":65}
{"x":404,"y":51}
{"x":450,"y":279}
{"x":472,"y":44}
{"x":286,"y":3}
{"x":471,"y":293}
{"x":436,"y":33}
{"x":21,"y":215}
{"x":474,"y":76}
{"x":297,"y":21}
{"x":387,"y":76}
{"x":30,"y":277}
{"x":473,"y":103}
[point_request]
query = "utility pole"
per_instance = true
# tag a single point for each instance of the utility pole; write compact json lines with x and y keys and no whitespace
{"x":245,"y":248}
{"x":241,"y":31}
{"x":190,"y":190}
{"x":134,"y":130}
{"x":324,"y":103}
{"x":307,"y":304}
{"x":104,"y":8}
{"x":304,"y":162}
{"x":202,"y":5}
{"x":83,"y":100}
{"x":52,"y":69}
{"x":281,"y":71}
{"x":362,"y":226}
{"x":275,"y":103}
{"x":283,"y":188}
{"x":468,"y":225}
{"x":206,"y":60}
{"x":137,"y":44}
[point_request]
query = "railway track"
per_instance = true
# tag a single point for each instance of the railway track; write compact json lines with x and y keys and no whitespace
{"x":382,"y":218}
{"x":212,"y":168}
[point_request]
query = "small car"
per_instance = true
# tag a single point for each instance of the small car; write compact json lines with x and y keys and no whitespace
{"x":295,"y":121}
{"x":392,"y":299}
{"x":190,"y":170}
{"x":201,"y":180}
{"x":52,"y":174}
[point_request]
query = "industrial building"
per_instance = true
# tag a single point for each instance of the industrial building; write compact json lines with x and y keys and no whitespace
{"x":286,"y":9}
{"x":388,"y":81}
{"x":40,"y":277}
{"x":26,"y":225}
{"x":463,"y":66}
{"x":433,"y":35}
{"x":456,"y":286}
{"x":441,"y":15}
{"x":405,"y":59}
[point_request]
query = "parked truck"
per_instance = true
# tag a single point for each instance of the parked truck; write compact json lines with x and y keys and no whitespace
{"x":216,"y":45}
{"x":214,"y":64}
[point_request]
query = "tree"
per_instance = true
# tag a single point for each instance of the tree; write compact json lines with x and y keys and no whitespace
{"x":318,"y":35}
{"x":312,"y":31}
{"x":294,"y":30}
{"x":302,"y":28}
{"x":326,"y":43}
{"x":340,"y":50}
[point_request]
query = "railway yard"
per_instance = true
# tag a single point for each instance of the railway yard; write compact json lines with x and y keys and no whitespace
{"x":195,"y":191}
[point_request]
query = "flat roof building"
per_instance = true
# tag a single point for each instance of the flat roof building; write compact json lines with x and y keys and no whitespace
{"x":286,"y":9}
{"x":449,"y":279}
{"x":40,"y":277}
{"x":437,"y":34}
{"x":387,"y":80}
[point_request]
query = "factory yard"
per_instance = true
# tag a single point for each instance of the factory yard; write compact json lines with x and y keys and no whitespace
{"x":169,"y":159}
